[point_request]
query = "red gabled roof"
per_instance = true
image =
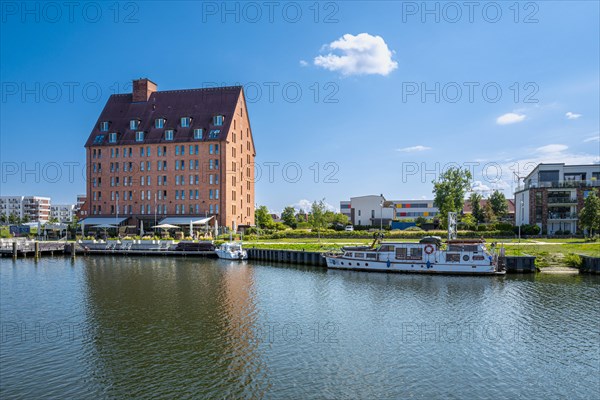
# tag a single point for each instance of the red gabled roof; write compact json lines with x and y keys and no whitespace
{"x":199,"y":104}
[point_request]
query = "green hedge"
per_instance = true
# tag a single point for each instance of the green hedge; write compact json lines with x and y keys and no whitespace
{"x":332,"y":234}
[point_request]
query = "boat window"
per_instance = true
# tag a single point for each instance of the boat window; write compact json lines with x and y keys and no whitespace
{"x":401,"y":253}
{"x":452,"y":257}
{"x":359,"y":255}
{"x":416,"y":252}
{"x":371,"y":255}
{"x":348,"y":254}
{"x":386,"y":247}
{"x":478,"y":258}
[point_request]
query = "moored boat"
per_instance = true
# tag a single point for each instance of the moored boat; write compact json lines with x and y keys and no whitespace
{"x":429,"y":255}
{"x":231,"y":251}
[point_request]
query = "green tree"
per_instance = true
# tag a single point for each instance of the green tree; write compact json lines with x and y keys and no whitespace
{"x":316,"y":218}
{"x":469,"y":221}
{"x":288,"y":216}
{"x":589,"y":216}
{"x":262,"y":217}
{"x":488,"y":213}
{"x":12,"y":218}
{"x":26,"y":218}
{"x":476,"y":211}
{"x":3,"y":219}
{"x":340,"y":219}
{"x":420,"y":220}
{"x":449,"y":191}
{"x":499,"y":205}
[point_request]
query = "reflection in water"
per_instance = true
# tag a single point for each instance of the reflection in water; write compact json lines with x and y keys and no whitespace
{"x":174,"y":327}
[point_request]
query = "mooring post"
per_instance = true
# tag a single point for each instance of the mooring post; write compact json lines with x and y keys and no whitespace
{"x":14,"y":249}
{"x":73,"y":250}
{"x":36,"y":249}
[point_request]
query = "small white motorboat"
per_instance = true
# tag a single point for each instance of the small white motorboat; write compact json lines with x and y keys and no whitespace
{"x":231,"y":251}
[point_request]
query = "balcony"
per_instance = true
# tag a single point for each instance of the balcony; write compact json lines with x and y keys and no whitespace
{"x":560,"y":184}
{"x":561,"y":200}
{"x":562,"y":216}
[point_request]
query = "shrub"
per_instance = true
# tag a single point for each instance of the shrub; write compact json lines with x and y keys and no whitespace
{"x":503,"y":226}
{"x":413,"y":229}
{"x":573,"y":260}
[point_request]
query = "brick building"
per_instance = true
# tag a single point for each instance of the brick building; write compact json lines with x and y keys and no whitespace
{"x":553,"y":194}
{"x":178,"y":154}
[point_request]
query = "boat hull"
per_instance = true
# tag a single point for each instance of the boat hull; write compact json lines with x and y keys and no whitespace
{"x":419,"y":267}
{"x":226,"y":255}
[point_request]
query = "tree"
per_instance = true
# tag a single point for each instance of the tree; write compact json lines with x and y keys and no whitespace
{"x":488,"y":213}
{"x":3,"y":218}
{"x":26,"y":218}
{"x":476,"y":211}
{"x":288,"y":216}
{"x":469,"y":221}
{"x":589,"y":216}
{"x":449,"y":191}
{"x":420,"y":220}
{"x":316,"y":219}
{"x":498,"y":201}
{"x":340,"y":219}
{"x":12,"y":218}
{"x":262,"y":217}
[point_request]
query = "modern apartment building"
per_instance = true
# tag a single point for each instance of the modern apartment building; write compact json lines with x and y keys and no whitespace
{"x":375,"y":210}
{"x":62,"y":212}
{"x":179,"y":153}
{"x":31,"y":208}
{"x":552,"y":195}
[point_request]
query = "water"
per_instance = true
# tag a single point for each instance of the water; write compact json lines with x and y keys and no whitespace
{"x":174,"y":328}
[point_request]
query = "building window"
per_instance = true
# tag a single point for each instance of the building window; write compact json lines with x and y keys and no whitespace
{"x":214,"y":133}
{"x":112,"y":137}
{"x":104,"y":126}
{"x":159,"y":123}
{"x":185,"y":122}
{"x":211,"y":149}
{"x":198,"y":133}
{"x":99,"y":139}
{"x":169,"y":134}
{"x":133,"y":124}
{"x":218,"y":120}
{"x":139,"y":136}
{"x":216,"y":149}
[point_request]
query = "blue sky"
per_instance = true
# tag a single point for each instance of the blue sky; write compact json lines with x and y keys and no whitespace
{"x":390,"y":94}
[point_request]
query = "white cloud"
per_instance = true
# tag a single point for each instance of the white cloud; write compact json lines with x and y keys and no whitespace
{"x":571,"y":115}
{"x":414,"y":149}
{"x":305,"y":205}
{"x":480,"y":187}
{"x":551,"y":149}
{"x":510,"y":118}
{"x":303,"y":63}
{"x":362,"y":54}
{"x":592,"y":139}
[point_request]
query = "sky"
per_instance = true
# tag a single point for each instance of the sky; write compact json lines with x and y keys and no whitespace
{"x":345,"y":98}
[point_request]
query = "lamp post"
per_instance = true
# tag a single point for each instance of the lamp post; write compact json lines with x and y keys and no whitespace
{"x":381,"y":214}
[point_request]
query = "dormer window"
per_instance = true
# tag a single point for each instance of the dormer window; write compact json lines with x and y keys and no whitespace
{"x":218,"y":120}
{"x":159,"y":123}
{"x":99,"y":139}
{"x":214,"y":133}
{"x":134,"y":123}
{"x":139,"y":136}
{"x":169,"y":134}
{"x":198,"y":133}
{"x":185,"y":122}
{"x":104,"y":126}
{"x":112,"y":137}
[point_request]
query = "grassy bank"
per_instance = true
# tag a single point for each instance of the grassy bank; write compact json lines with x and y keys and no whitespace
{"x":548,"y":252}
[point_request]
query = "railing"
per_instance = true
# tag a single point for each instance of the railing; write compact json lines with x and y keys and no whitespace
{"x":561,"y":200}
{"x":568,"y":215}
{"x":560,"y":184}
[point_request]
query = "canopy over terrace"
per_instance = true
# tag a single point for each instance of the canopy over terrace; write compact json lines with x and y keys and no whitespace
{"x":93,"y":221}
{"x":186,"y":221}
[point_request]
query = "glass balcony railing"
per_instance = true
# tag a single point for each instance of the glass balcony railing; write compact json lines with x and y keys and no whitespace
{"x":563,"y":200}
{"x":568,"y":215}
{"x":560,"y":184}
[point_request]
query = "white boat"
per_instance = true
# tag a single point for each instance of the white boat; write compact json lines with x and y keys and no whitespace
{"x":470,"y":257}
{"x":231,"y":251}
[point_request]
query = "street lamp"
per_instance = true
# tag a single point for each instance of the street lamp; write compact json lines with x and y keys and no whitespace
{"x":381,"y":214}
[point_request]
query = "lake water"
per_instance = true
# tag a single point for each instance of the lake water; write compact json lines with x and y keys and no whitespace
{"x":103,"y":327}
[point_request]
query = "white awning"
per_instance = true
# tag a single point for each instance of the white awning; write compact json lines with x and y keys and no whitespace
{"x":185,"y":221}
{"x":101,"y":221}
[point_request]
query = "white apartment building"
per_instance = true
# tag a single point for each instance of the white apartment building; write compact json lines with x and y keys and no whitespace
{"x":552,"y":195}
{"x":375,"y":210}
{"x":62,"y":212}
{"x":33,"y":208}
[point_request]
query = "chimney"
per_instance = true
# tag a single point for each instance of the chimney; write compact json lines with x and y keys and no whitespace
{"x":142,"y":89}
